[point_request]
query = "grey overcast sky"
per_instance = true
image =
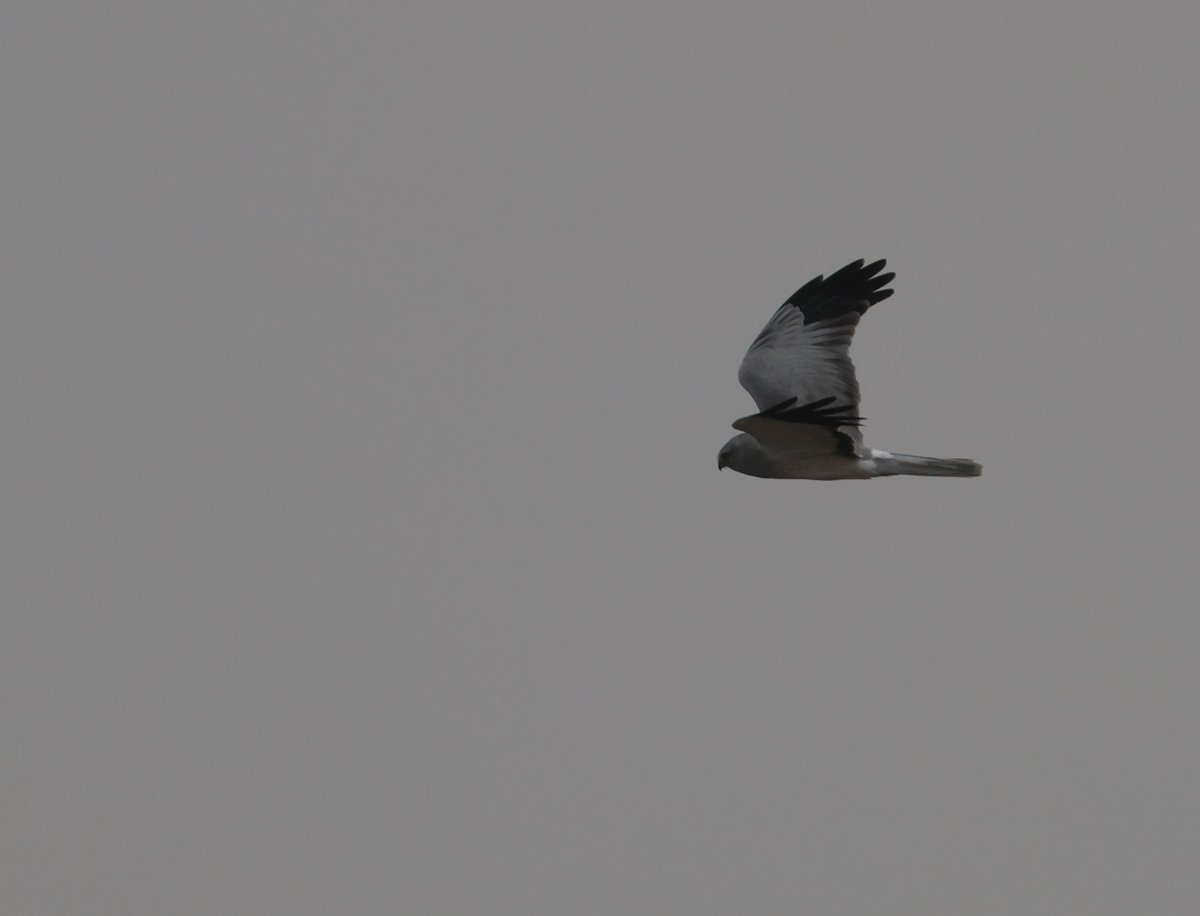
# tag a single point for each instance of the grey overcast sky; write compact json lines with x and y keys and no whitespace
{"x":363,"y":549}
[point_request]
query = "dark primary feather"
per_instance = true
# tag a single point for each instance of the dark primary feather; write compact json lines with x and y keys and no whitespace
{"x":821,"y":427}
{"x":854,"y":288}
{"x":823,"y":412}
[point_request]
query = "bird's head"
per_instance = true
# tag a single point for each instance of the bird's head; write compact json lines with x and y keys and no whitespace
{"x":723,"y":455}
{"x":744,"y":454}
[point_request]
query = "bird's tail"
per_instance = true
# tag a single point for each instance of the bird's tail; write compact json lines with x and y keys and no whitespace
{"x":888,"y":464}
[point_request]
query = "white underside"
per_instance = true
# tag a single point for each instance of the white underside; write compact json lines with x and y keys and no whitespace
{"x":877,"y":463}
{"x":833,"y":467}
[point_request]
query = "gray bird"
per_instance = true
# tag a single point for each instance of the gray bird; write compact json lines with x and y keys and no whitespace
{"x":798,"y":371}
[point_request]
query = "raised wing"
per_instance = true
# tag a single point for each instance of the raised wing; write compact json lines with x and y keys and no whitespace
{"x":803,"y":353}
{"x":791,"y":432}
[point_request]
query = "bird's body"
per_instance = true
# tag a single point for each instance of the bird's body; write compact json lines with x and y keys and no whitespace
{"x":798,"y":371}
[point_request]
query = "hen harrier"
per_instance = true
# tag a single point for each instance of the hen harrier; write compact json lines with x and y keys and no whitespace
{"x":799,"y":373}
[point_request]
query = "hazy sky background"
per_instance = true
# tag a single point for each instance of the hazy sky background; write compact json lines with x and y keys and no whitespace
{"x":362,"y":545}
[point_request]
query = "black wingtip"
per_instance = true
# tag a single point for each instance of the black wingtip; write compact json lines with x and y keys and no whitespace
{"x":822,"y":412}
{"x":853,"y":288}
{"x":779,"y":408}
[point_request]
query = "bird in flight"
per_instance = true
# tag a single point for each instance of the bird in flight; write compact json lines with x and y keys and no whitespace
{"x":798,"y":371}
